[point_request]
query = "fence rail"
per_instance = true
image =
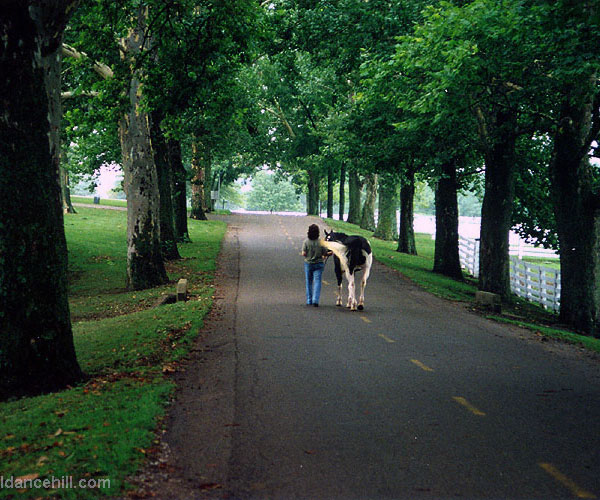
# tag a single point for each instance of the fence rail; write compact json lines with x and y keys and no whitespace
{"x":468,"y":251}
{"x":522,"y":249}
{"x":535,"y":283}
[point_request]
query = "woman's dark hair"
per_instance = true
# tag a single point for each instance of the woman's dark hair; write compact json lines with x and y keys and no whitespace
{"x":313,"y":232}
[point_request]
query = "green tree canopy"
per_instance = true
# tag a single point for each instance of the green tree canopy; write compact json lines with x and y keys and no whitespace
{"x":272,"y":193}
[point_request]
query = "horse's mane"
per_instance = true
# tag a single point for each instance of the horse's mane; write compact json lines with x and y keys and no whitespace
{"x":339,"y":250}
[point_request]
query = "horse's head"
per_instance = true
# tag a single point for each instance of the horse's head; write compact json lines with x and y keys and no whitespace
{"x":333,"y":236}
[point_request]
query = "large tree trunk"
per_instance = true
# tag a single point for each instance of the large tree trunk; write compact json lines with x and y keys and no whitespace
{"x":446,"y":259}
{"x":36,"y":340}
{"x":145,"y":266}
{"x":179,"y":176}
{"x":367,"y":218}
{"x":330,"y":181}
{"x":354,"y":191}
{"x":208,"y":184}
{"x":576,"y":208}
{"x":197,"y":211}
{"x":168,"y":241}
{"x":387,"y":228}
{"x":406,"y":237}
{"x":68,"y":207}
{"x":342,"y":190}
{"x":314,"y":184}
{"x":496,"y":210}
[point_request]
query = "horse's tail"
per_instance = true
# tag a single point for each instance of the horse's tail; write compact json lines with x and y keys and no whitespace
{"x":339,"y":250}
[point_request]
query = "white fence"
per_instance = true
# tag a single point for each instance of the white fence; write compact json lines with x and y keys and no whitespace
{"x":468,"y":251}
{"x":535,"y":283}
{"x":521,"y":249}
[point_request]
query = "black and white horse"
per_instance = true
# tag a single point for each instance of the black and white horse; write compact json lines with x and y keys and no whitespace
{"x":351,"y":254}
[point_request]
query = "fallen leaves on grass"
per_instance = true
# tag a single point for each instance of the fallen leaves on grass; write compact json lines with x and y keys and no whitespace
{"x":170,"y":368}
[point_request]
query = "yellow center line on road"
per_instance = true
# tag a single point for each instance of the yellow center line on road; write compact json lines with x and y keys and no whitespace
{"x":565,"y":481}
{"x":387,"y":339}
{"x":365,"y":319}
{"x":462,"y":401}
{"x":325,"y":282}
{"x":421,"y":365}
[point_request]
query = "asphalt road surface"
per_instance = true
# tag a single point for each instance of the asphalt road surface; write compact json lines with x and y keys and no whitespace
{"x":414,"y":397}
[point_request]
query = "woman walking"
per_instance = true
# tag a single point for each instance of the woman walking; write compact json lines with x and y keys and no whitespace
{"x":314,"y":263}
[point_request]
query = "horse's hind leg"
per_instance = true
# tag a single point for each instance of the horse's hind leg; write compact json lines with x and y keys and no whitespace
{"x":363,"y":285}
{"x":338,"y":301}
{"x":363,"y":282}
{"x":351,"y":292}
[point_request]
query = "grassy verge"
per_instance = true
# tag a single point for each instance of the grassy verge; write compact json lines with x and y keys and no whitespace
{"x":103,"y":428}
{"x":103,"y":201}
{"x":418,"y":269}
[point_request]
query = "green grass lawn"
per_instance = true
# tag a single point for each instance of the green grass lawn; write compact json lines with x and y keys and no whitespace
{"x":419,"y":269}
{"x":105,"y":427}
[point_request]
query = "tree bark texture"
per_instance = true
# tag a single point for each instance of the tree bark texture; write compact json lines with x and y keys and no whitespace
{"x":496,"y":210}
{"x":36,"y":340}
{"x":68,"y":207}
{"x":406,"y":237}
{"x":179,"y":177}
{"x":576,"y":208}
{"x":168,"y":241}
{"x":330,"y":181}
{"x":446,"y":259}
{"x":145,"y":266}
{"x":197,"y":211}
{"x":354,"y":192}
{"x":314,"y":184}
{"x":342,"y":190}
{"x":367,"y":218}
{"x":387,"y":227}
{"x":208,"y":184}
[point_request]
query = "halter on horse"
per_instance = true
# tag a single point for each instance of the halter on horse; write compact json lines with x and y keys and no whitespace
{"x":351,"y":253}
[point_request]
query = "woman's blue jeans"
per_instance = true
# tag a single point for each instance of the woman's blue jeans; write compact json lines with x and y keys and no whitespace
{"x":313,"y":273}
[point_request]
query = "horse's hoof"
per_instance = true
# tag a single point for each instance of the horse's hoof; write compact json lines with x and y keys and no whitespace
{"x":339,"y":305}
{"x":360,"y":308}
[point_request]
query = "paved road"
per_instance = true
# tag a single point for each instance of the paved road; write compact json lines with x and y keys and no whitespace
{"x":414,"y":397}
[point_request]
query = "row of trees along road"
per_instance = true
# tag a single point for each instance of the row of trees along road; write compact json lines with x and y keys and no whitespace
{"x":501,"y":97}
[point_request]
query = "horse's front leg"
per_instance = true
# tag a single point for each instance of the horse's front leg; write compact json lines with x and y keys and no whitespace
{"x":338,"y":301}
{"x":339,"y":276}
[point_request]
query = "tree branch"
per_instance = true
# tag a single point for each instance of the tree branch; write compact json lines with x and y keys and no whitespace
{"x":69,"y":94}
{"x":101,"y":69}
{"x":308,"y":113}
{"x":284,"y":120}
{"x":482,"y":127}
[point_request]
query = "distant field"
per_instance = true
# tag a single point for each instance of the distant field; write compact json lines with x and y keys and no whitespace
{"x":103,"y":201}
